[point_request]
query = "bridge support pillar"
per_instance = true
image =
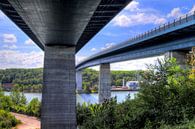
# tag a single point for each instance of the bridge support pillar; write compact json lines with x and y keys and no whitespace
{"x":79,"y":79}
{"x":58,"y":96}
{"x":104,"y":89}
{"x":180,"y":57}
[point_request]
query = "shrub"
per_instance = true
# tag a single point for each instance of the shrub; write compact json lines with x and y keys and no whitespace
{"x":7,"y":121}
{"x":33,"y":108}
{"x":166,"y":100}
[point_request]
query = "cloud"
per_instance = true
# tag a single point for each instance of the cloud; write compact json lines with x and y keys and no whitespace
{"x":17,"y":59}
{"x":193,"y":9}
{"x":9,"y":38}
{"x":175,"y":13}
{"x":80,"y":58}
{"x":137,"y":19}
{"x":12,"y":46}
{"x":133,"y":6}
{"x":139,"y":64}
{"x":93,"y":49}
{"x":135,"y":15}
{"x":29,"y":42}
{"x":107,"y":45}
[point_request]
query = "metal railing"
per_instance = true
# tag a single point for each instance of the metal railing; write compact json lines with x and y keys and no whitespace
{"x":181,"y":20}
{"x":178,"y":21}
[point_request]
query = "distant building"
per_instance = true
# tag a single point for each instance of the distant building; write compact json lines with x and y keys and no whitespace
{"x":133,"y":85}
{"x":7,"y":86}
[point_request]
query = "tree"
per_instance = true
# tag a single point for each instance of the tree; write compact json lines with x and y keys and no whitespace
{"x":33,"y":107}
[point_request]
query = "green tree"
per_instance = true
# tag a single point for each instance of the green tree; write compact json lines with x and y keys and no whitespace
{"x":33,"y":107}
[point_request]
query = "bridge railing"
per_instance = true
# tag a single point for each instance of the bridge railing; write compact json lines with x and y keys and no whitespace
{"x":181,"y":20}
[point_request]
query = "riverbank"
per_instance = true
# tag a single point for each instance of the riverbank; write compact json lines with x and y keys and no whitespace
{"x":27,"y":122}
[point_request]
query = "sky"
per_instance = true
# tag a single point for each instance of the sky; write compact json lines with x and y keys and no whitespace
{"x":17,"y":50}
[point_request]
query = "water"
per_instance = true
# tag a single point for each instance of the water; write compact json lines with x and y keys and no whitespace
{"x":88,"y":98}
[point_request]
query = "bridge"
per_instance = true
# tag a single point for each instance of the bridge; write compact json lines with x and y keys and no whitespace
{"x":174,"y":39}
{"x":60,"y":28}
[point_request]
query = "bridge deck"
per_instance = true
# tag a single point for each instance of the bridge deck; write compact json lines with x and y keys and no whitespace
{"x":181,"y":28}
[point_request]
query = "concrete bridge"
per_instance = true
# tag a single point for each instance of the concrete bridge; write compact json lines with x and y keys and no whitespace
{"x":174,"y":39}
{"x":60,"y":28}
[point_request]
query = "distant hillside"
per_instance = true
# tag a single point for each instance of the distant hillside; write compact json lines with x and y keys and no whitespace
{"x":30,"y":80}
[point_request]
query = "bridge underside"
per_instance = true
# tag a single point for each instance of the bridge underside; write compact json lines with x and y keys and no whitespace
{"x":61,"y":22}
{"x":62,"y":28}
{"x":179,"y":45}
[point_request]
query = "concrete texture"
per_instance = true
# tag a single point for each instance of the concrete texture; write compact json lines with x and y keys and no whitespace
{"x":104,"y":89}
{"x":180,"y":57}
{"x":58,"y":95}
{"x":61,"y":22}
{"x":79,"y":79}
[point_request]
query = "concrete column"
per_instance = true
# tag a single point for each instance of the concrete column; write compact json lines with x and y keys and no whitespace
{"x":104,"y":89}
{"x":180,"y":57}
{"x":79,"y":79}
{"x":58,"y":96}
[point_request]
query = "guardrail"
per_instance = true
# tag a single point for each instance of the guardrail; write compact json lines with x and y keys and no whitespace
{"x":178,"y":21}
{"x":183,"y":19}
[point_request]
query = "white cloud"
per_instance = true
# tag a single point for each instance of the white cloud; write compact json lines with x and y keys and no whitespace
{"x":136,"y":15}
{"x":29,"y":42}
{"x":133,"y":6}
{"x":107,"y":45}
{"x":139,"y":64}
{"x":122,"y":20}
{"x":10,"y":46}
{"x":93,"y":49}
{"x":80,"y":58}
{"x":9,"y":38}
{"x":17,"y":59}
{"x":175,"y":13}
{"x":137,"y":19}
{"x":193,"y":9}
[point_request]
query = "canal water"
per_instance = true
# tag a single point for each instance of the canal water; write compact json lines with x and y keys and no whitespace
{"x":88,"y":98}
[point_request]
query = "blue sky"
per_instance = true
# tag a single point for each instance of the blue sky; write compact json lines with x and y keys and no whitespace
{"x":17,"y":50}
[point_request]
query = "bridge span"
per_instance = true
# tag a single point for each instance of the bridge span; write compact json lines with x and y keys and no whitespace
{"x":174,"y":39}
{"x":60,"y":28}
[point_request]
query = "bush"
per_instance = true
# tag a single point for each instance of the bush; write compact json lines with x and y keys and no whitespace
{"x":7,"y":121}
{"x":33,"y":108}
{"x":166,"y":99}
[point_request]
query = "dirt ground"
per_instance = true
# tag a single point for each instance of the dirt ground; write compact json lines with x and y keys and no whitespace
{"x":28,"y":122}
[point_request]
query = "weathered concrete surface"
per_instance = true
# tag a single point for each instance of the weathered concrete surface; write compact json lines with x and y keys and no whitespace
{"x":104,"y":89}
{"x":180,"y":56}
{"x":79,"y":79}
{"x":58,"y":96}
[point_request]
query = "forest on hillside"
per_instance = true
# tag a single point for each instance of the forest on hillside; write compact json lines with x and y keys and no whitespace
{"x":30,"y":80}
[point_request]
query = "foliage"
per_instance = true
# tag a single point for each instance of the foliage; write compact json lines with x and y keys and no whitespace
{"x":29,"y":80}
{"x":166,"y":99}
{"x":7,"y":121}
{"x":16,"y":102}
{"x":33,"y":108}
{"x":18,"y":97}
{"x":90,"y":78}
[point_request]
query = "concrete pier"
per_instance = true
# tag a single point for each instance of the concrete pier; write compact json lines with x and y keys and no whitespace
{"x":180,"y":57}
{"x":79,"y":79}
{"x":104,"y":89}
{"x":58,"y":95}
